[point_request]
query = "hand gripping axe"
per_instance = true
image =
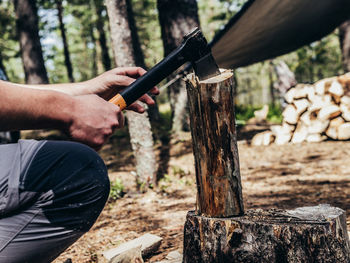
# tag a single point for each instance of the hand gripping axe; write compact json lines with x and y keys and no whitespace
{"x":194,"y":48}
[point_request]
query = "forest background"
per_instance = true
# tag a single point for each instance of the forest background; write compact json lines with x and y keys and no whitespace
{"x":76,"y":44}
{"x":84,"y":21}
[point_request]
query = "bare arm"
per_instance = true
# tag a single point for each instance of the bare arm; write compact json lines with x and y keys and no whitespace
{"x":25,"y":108}
{"x":79,"y":109}
{"x":106,"y":85}
{"x":88,"y":119}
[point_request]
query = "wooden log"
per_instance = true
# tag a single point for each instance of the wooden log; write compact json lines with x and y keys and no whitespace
{"x":261,"y":115}
{"x":320,"y":102}
{"x":315,"y":137}
{"x":336,"y":91}
{"x":332,"y":131}
{"x":344,"y":131}
{"x":282,"y":134}
{"x":289,"y":97}
{"x":211,"y":105}
{"x":329,"y":112}
{"x":318,"y":126}
{"x":301,"y":105}
{"x":308,"y":234}
{"x":300,"y":133}
{"x":320,"y":87}
{"x":290,"y":114}
{"x":263,"y":138}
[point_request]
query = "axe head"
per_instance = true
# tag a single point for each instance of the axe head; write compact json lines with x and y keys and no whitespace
{"x":195,"y":49}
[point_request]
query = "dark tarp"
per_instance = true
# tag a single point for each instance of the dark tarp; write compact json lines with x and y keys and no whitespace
{"x":265,"y":29}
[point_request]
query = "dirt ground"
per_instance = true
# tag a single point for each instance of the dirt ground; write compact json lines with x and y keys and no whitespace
{"x":273,"y":176}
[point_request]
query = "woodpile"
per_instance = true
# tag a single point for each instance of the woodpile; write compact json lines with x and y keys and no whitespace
{"x":314,"y":113}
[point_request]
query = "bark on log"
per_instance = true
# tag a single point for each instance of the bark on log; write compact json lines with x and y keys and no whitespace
{"x":308,"y":234}
{"x":211,"y":105}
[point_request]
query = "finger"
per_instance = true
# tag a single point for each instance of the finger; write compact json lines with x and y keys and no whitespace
{"x":154,"y":91}
{"x":147,"y":99}
{"x":133,"y":72}
{"x":119,"y":82}
{"x":136,"y":107}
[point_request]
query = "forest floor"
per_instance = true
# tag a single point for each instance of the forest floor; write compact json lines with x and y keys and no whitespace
{"x":273,"y":176}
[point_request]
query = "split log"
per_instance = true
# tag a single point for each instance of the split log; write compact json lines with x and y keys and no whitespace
{"x":315,"y":137}
{"x":282,"y":134}
{"x":211,"y":105}
{"x":263,"y":138}
{"x":345,"y":100}
{"x":336,"y":90}
{"x":308,"y":234}
{"x":332,"y":131}
{"x":344,"y":131}
{"x":345,"y":111}
{"x":329,"y":112}
{"x":301,"y":105}
{"x":300,"y":133}
{"x":320,"y":87}
{"x":290,"y":114}
{"x":318,"y":102}
{"x":289,"y":97}
{"x":261,"y":115}
{"x":318,"y":126}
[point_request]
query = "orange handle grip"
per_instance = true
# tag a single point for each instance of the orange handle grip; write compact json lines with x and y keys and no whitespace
{"x":119,"y":101}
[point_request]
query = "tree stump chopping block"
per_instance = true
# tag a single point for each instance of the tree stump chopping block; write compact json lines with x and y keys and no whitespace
{"x":307,"y":234}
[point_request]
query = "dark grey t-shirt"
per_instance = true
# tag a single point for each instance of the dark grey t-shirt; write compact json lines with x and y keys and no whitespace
{"x":15,"y":159}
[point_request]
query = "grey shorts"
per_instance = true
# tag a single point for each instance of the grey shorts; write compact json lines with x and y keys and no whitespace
{"x":51,"y":193}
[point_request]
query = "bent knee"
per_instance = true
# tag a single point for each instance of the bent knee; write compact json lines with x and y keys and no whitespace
{"x":77,"y":177}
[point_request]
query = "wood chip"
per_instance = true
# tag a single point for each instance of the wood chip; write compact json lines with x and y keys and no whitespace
{"x":148,"y":242}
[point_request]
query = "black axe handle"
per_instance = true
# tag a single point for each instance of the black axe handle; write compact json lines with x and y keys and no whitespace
{"x":194,"y":48}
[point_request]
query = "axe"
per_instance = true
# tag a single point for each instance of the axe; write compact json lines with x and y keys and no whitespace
{"x":194,"y":48}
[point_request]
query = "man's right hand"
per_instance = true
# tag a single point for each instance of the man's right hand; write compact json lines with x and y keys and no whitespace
{"x":94,"y":120}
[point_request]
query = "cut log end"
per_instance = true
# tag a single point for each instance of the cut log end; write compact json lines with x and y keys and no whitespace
{"x":225,"y":74}
{"x":307,"y":234}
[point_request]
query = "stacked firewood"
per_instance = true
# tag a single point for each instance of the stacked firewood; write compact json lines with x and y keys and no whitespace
{"x":314,"y":113}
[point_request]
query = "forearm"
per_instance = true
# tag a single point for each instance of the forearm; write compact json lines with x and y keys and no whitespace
{"x":73,"y":89}
{"x":27,"y":108}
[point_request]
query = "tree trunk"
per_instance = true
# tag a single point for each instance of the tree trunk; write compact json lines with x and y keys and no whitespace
{"x":308,"y":234}
{"x":344,"y":37}
{"x":94,"y":52}
{"x":271,"y":84}
{"x":127,"y":52}
{"x":31,"y":51}
{"x":67,"y":60}
{"x":177,"y":18}
{"x":106,"y":60}
{"x":285,"y":80}
{"x":214,"y":146}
